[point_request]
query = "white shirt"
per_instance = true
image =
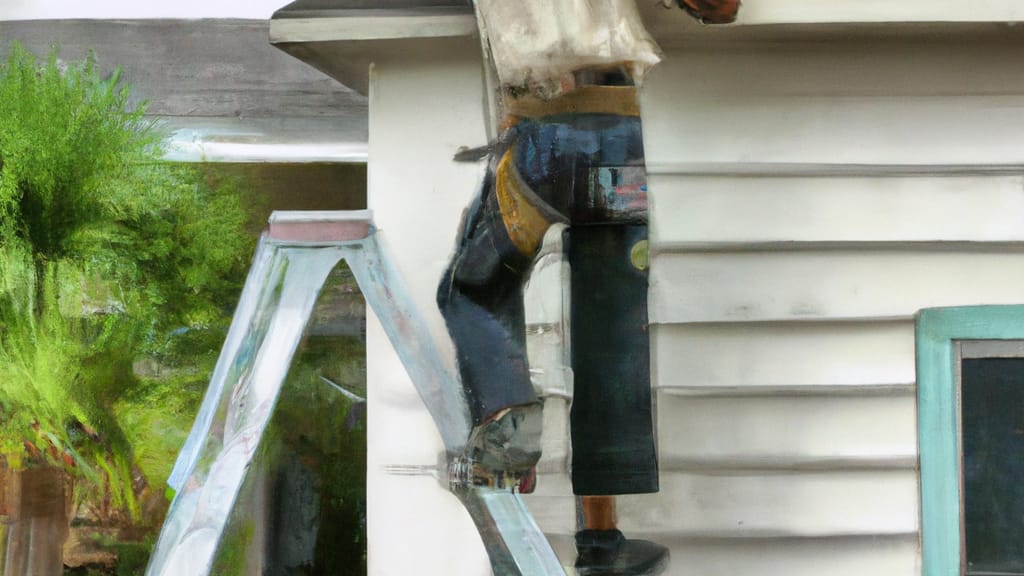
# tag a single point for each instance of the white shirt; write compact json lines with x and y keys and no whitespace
{"x":539,"y":41}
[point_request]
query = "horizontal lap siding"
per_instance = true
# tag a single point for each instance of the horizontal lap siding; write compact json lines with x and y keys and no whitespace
{"x":779,"y":505}
{"x":829,"y":284}
{"x":744,"y":357}
{"x":828,"y":64}
{"x":808,"y":504}
{"x":897,"y":100}
{"x":807,"y":199}
{"x":874,"y":130}
{"x":693,"y":212}
{"x":834,"y":556}
{"x":892,"y":555}
{"x":787,"y":432}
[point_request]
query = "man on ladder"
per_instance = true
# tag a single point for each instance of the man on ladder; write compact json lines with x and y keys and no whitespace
{"x":571,"y":152}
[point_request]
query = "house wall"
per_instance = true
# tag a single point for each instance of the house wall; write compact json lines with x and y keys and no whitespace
{"x":423,"y":107}
{"x":809,"y":195}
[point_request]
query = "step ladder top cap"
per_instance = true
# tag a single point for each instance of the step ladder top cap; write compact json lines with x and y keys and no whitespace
{"x":320,"y":226}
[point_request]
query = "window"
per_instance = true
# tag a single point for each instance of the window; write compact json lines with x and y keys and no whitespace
{"x":970,"y":372}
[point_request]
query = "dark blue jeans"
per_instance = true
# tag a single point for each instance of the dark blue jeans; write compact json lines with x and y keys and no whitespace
{"x":585,"y":170}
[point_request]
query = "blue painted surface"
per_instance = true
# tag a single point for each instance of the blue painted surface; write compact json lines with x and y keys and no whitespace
{"x":937,"y":330}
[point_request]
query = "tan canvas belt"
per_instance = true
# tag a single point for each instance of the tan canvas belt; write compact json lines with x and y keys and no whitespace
{"x":616,"y":100}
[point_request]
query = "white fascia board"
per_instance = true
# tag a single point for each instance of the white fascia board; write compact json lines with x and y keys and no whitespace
{"x":289,"y":140}
{"x":378,"y":26}
{"x":865,"y":11}
{"x":342,"y":43}
{"x":673,"y":24}
{"x":783,"y":20}
{"x":667,"y":25}
{"x":135,"y":10}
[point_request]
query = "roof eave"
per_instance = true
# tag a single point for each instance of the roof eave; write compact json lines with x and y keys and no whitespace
{"x":343,"y":43}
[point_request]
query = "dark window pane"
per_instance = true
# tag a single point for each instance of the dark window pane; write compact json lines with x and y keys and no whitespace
{"x":992,"y":413}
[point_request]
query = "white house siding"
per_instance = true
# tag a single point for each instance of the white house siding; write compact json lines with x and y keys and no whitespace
{"x":423,"y":106}
{"x":809,"y":195}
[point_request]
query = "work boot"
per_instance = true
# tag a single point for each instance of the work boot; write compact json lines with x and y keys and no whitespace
{"x":505,"y":448}
{"x":609,"y":553}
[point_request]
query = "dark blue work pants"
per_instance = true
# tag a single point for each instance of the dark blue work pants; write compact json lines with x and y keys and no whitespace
{"x":585,"y":170}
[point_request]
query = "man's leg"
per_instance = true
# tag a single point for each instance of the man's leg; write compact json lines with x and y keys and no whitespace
{"x":604,"y":551}
{"x":550,"y":168}
{"x":613,"y":448}
{"x":612,"y":428}
{"x":481,"y":299}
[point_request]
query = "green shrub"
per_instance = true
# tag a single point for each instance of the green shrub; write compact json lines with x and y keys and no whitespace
{"x":107,"y":255}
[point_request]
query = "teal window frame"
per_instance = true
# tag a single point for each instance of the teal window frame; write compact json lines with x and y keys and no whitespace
{"x":937,"y":332}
